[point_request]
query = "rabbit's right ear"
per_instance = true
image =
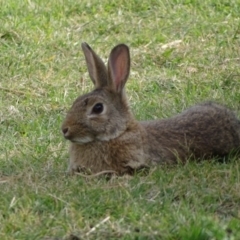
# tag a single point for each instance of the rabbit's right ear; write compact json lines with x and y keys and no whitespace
{"x":96,"y":67}
{"x":119,"y":67}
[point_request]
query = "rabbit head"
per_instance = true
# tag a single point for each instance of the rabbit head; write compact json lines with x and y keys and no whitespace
{"x":102,"y":114}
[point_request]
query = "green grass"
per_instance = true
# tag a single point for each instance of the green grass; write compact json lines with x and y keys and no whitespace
{"x":42,"y":70}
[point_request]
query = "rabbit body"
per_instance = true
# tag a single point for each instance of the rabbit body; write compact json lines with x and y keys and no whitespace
{"x":105,"y":136}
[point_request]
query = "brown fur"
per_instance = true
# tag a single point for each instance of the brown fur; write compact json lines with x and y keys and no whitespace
{"x":113,"y":140}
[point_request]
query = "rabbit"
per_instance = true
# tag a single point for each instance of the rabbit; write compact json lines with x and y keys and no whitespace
{"x":105,"y":136}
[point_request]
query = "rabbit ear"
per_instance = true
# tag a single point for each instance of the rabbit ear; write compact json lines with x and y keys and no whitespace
{"x":96,"y":67}
{"x":119,"y":66}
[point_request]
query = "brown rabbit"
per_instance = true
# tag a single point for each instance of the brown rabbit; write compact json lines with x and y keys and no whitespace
{"x":104,"y":134}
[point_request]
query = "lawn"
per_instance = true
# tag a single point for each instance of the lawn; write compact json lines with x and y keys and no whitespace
{"x":182,"y":52}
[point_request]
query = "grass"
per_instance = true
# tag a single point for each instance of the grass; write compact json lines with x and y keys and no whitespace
{"x":183,"y":52}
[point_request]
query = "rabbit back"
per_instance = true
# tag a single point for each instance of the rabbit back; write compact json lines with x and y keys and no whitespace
{"x":203,"y":131}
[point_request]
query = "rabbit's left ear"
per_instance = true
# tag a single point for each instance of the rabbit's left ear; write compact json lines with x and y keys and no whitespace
{"x":118,"y":67}
{"x":96,"y":67}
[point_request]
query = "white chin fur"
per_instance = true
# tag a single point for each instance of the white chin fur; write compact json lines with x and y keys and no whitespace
{"x":83,"y":140}
{"x":100,"y":137}
{"x":104,"y":137}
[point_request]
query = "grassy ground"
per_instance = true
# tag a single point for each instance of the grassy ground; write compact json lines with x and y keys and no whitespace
{"x":183,"y":52}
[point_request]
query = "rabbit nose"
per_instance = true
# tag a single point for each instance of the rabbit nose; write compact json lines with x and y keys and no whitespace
{"x":65,"y":131}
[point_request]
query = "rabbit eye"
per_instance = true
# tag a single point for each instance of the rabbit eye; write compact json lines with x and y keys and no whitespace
{"x":98,"y":108}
